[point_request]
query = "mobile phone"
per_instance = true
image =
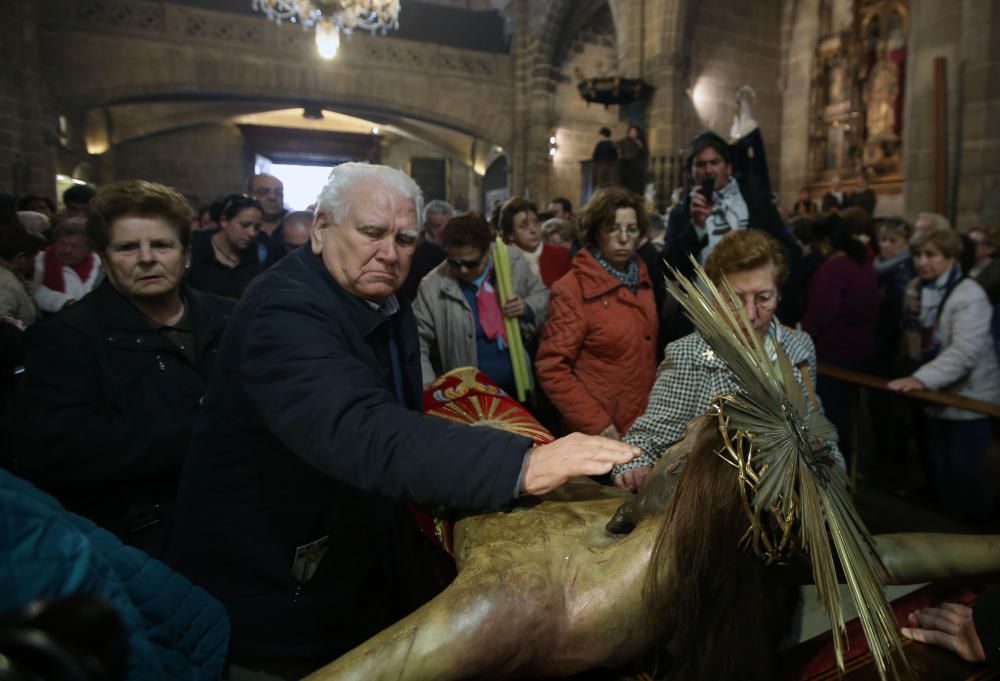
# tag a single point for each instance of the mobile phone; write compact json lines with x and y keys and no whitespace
{"x":708,"y":187}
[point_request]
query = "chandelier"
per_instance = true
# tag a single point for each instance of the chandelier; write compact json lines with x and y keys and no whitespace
{"x":331,"y":17}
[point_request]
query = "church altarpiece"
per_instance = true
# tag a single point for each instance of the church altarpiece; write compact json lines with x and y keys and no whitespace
{"x":856,"y":107}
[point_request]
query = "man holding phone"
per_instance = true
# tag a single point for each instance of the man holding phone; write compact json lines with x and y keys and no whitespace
{"x":718,"y":204}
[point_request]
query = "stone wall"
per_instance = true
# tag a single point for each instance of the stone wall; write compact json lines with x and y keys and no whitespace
{"x":977,"y":185}
{"x":464,"y":186}
{"x":801,"y":27}
{"x":202,"y":162}
{"x":965,"y":34}
{"x":732,"y":45}
{"x":28,"y":127}
{"x":135,"y":50}
{"x":577,"y":122}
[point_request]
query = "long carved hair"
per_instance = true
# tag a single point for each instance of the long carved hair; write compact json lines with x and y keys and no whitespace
{"x":723,"y":610}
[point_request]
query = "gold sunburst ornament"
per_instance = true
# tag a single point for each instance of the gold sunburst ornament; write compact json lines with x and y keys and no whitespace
{"x":330,"y":18}
{"x":795,"y":497}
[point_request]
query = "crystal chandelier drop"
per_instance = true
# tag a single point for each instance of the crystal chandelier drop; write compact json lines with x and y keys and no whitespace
{"x":331,"y":17}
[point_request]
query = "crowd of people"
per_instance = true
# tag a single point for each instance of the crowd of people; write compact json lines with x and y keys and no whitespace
{"x":237,"y":389}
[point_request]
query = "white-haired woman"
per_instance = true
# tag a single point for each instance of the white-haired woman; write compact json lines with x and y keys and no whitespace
{"x":949,"y":317}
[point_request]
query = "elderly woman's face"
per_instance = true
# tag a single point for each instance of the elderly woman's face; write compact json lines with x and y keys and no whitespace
{"x":619,"y":241}
{"x":758,"y":290}
{"x":527,"y":232}
{"x":144,"y":258}
{"x":931,"y":262}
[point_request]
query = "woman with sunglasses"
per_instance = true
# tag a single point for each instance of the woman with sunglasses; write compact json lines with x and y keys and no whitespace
{"x":459,"y":313}
{"x":691,"y":375}
{"x":224,"y":260}
{"x":597,"y":358}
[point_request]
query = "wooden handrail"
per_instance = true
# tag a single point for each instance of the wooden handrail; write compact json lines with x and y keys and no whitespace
{"x":944,"y":399}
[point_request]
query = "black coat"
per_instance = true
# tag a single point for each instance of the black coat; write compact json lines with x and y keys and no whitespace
{"x":605,"y":150}
{"x":208,"y":274}
{"x":986,"y":617}
{"x":682,"y":240}
{"x":863,"y":199}
{"x":426,"y":257}
{"x":303,"y":439}
{"x":108,"y":402}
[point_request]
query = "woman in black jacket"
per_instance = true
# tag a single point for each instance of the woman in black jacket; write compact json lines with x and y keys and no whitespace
{"x":112,"y":384}
{"x":225,"y":260}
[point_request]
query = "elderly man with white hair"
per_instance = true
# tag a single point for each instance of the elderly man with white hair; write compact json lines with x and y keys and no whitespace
{"x":312,"y":433}
{"x":429,"y":252}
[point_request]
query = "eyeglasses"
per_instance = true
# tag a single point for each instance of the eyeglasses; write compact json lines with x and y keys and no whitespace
{"x":763,"y":301}
{"x":467,"y":264}
{"x":267,"y":191}
{"x":631,"y":230}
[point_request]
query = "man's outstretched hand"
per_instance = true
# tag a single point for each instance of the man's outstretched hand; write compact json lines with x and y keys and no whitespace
{"x":549,"y":466}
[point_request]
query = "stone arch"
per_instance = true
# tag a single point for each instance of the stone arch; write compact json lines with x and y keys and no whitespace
{"x":554,"y":19}
{"x":186,"y":53}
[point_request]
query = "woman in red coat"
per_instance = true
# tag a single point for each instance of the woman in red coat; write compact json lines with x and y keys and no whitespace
{"x":597,"y":357}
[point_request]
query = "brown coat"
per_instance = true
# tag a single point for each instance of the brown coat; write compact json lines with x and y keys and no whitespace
{"x":597,"y":357}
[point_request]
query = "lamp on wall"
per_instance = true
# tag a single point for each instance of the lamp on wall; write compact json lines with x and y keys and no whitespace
{"x":331,"y":17}
{"x":553,"y":146}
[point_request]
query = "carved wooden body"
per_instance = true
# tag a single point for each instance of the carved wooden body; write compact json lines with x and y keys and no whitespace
{"x":547,"y":591}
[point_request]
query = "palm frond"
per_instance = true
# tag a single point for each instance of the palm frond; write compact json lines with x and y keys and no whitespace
{"x":789,"y":469}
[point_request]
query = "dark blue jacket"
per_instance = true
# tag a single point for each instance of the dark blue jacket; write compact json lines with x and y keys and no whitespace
{"x":176,"y":631}
{"x":108,"y":402}
{"x":303,"y":443}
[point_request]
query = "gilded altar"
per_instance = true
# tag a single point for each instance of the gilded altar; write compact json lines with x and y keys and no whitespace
{"x":856,"y":98}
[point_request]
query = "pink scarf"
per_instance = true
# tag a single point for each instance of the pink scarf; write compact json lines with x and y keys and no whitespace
{"x":488,"y":306}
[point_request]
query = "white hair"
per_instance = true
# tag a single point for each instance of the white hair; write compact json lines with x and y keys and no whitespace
{"x":333,"y":198}
{"x":437,"y":206}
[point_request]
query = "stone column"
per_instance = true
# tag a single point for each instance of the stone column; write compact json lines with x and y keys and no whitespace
{"x":534,"y":88}
{"x":800,"y":33}
{"x":935,"y":31}
{"x":977,"y":172}
{"x":27,"y":126}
